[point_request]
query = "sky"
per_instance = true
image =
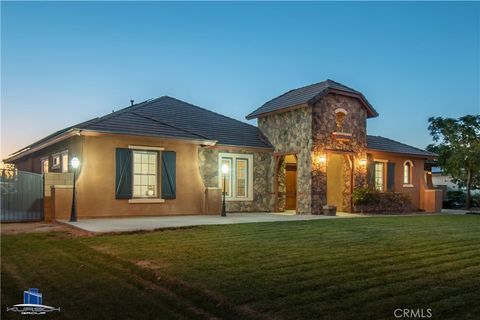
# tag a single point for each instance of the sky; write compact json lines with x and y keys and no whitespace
{"x":63,"y":63}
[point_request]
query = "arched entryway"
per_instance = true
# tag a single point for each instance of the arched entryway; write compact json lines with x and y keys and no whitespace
{"x":286,"y":183}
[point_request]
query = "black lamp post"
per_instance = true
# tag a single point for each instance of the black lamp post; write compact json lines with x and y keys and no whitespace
{"x":224,"y":171}
{"x":73,"y":214}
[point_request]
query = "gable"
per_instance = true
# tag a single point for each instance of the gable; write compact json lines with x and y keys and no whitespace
{"x":308,"y":95}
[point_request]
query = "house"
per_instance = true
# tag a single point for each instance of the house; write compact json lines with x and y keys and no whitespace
{"x":164,"y":156}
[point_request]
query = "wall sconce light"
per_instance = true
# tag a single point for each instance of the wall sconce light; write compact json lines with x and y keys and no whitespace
{"x":322,"y":158}
{"x":363,"y":162}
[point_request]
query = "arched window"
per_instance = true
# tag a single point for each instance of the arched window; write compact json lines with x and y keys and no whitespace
{"x":407,"y":172}
{"x":340,"y":115}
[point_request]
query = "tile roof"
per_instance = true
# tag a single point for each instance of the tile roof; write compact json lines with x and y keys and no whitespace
{"x":388,"y":145}
{"x":308,"y":94}
{"x":170,"y":117}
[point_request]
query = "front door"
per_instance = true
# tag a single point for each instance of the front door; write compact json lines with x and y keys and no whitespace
{"x":291,"y":186}
{"x":335,"y":180}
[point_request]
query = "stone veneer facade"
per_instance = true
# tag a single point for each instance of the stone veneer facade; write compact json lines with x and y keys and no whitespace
{"x":263,"y":199}
{"x":306,"y":132}
{"x":291,"y":133}
{"x":354,"y":149}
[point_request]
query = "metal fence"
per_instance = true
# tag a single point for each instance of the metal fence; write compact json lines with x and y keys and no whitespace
{"x":21,"y":196}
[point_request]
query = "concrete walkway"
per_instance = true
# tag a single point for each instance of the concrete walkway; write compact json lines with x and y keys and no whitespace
{"x":152,"y":223}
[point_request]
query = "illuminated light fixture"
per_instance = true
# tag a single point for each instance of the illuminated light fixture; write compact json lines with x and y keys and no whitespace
{"x":224,"y":169}
{"x":322,"y":158}
{"x":363,"y":162}
{"x":75,"y":163}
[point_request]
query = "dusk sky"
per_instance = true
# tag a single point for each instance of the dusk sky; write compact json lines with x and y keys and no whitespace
{"x":64,"y":63}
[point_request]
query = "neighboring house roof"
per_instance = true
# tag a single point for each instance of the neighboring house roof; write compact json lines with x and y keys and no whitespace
{"x":378,"y":143}
{"x":309,"y":95}
{"x":170,"y":117}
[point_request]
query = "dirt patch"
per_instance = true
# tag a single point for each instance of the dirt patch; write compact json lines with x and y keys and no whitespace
{"x":39,"y":227}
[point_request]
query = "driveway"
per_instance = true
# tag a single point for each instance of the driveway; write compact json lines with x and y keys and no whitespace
{"x":152,"y":223}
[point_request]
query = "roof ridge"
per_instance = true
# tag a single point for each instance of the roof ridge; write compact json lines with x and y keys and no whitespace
{"x":170,"y":125}
{"x":423,"y":150}
{"x":119,"y":112}
{"x":303,"y":87}
{"x":341,"y":84}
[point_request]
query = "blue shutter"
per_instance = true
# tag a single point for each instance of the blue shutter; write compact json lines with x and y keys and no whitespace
{"x":169,"y":176}
{"x":123,"y":174}
{"x":390,"y":176}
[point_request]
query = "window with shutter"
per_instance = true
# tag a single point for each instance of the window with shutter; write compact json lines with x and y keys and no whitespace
{"x":169,"y":175}
{"x":123,"y":173}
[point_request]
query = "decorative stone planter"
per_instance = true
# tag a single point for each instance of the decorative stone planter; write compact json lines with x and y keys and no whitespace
{"x":330,"y":210}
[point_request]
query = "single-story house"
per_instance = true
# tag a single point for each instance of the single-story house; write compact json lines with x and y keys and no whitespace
{"x":161,"y":156}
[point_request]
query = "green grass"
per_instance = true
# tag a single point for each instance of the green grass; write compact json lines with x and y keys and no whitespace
{"x":325,"y":269}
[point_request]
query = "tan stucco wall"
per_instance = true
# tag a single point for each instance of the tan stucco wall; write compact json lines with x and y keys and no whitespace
{"x":96,"y":179}
{"x":417,"y":174}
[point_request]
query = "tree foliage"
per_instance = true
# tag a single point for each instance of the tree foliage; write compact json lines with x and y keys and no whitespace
{"x":457,"y":143}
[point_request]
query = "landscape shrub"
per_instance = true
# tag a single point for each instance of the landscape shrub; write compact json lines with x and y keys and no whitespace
{"x":372,"y":201}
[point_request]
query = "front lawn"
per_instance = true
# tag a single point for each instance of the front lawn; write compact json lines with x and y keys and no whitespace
{"x":360,"y":268}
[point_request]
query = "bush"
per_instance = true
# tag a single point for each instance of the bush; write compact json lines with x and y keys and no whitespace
{"x":373,"y":201}
{"x":364,"y":196}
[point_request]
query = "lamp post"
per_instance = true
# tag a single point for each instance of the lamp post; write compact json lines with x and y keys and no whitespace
{"x":75,"y":164}
{"x":224,"y":171}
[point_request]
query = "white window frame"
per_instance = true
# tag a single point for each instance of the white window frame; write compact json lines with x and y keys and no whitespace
{"x":63,"y":164}
{"x":233,"y":175}
{"x":157,"y":198}
{"x":42,"y":166}
{"x":58,"y":164}
{"x":156,"y":194}
{"x":408,"y":184}
{"x":384,"y":174}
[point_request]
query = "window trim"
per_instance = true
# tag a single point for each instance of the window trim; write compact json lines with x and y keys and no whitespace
{"x":408,"y":184}
{"x":147,"y":199}
{"x":63,"y":153}
{"x":56,"y":155}
{"x":233,"y":174}
{"x":384,"y":162}
{"x":42,"y":160}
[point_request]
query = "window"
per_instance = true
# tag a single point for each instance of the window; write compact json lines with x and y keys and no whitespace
{"x":379,"y":176}
{"x":145,"y":174}
{"x":55,"y":161}
{"x":65,"y":161}
{"x":242,"y":177}
{"x":239,"y":178}
{"x":44,"y":163}
{"x":407,"y":173}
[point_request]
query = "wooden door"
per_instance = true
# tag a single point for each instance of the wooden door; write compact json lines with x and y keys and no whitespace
{"x":291,"y":186}
{"x":335,"y":180}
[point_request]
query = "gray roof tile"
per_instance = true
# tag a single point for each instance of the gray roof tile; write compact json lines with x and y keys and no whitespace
{"x":305,"y":95}
{"x":388,"y":145}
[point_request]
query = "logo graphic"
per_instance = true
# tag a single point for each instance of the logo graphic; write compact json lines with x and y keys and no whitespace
{"x":32,"y":304}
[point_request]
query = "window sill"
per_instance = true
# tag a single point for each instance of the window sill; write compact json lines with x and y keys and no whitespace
{"x":408,"y":185}
{"x":146,"y":200}
{"x":237,"y":199}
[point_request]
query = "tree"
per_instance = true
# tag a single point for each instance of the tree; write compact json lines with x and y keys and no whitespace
{"x":457,"y":143}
